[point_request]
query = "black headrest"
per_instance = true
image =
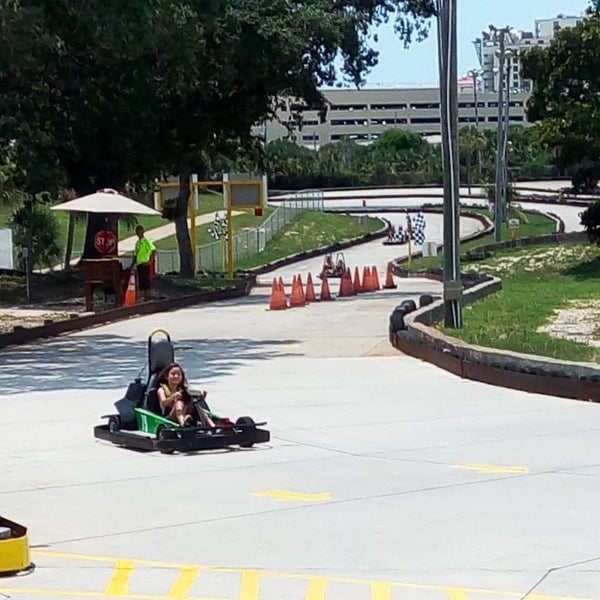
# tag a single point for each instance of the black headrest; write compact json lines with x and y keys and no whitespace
{"x":161,"y":355}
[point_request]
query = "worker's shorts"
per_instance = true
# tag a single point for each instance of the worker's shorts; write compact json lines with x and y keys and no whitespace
{"x":143,"y":272}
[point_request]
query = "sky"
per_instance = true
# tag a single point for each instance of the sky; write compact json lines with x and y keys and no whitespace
{"x":418,"y":66}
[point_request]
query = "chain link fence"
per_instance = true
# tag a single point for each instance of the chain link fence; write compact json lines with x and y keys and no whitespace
{"x":212,"y":257}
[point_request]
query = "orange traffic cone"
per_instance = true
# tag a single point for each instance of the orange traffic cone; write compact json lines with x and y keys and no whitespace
{"x":356,"y":283}
{"x":297,"y":297}
{"x":375,"y":278}
{"x":389,"y":278}
{"x":310,"y":290}
{"x":277,"y":301}
{"x":130,"y":297}
{"x":367,"y":284}
{"x":346,"y":287}
{"x":301,"y":286}
{"x":325,"y":292}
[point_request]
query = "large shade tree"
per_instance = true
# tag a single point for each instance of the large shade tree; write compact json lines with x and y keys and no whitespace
{"x":107,"y":92}
{"x":565,"y":101}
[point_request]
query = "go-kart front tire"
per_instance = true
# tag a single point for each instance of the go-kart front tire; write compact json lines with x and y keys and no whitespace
{"x":114,"y":424}
{"x":245,"y":421}
{"x":160,"y":433}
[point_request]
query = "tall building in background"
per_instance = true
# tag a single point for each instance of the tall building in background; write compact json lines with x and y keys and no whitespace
{"x":516,"y":42}
{"x":362,"y":115}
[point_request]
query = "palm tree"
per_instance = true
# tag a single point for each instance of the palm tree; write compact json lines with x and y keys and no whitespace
{"x":471,"y":141}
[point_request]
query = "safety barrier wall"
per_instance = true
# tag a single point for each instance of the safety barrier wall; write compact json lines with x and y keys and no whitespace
{"x":526,"y":372}
{"x":212,"y":257}
{"x":504,"y":368}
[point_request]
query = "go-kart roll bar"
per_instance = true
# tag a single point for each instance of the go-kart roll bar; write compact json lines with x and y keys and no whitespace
{"x":150,"y":336}
{"x":158,"y":330}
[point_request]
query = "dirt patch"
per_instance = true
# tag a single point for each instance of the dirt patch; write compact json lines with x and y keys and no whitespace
{"x":59,"y":296}
{"x":578,"y":322}
{"x":10,"y":318}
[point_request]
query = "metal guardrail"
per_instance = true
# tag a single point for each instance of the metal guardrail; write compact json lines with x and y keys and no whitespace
{"x":212,"y":257}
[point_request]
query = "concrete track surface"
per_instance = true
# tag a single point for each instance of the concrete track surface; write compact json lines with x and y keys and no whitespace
{"x":385,"y":479}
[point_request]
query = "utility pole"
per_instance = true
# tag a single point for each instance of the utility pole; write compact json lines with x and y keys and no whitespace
{"x":446,"y":10}
{"x":500,"y":189}
{"x":505,"y":124}
{"x":474,"y":74}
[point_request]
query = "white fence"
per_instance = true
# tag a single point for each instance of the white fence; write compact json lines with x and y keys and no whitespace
{"x":211,"y":257}
{"x":6,"y":249}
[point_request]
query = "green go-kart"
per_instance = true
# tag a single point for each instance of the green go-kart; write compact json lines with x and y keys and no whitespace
{"x":139,"y":423}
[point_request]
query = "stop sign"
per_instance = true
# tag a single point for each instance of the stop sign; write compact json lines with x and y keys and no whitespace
{"x":105,"y":242}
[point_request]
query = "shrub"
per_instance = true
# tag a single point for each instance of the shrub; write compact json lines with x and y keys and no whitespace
{"x":44,"y":232}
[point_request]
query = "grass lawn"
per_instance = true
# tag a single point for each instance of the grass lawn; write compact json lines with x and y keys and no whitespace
{"x":246,"y":220}
{"x":531,"y":224}
{"x":310,"y":230}
{"x":536,"y":282}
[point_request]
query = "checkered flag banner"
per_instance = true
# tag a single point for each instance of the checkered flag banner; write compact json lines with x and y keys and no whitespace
{"x":418,"y":229}
{"x":220,"y":229}
{"x":220,"y":221}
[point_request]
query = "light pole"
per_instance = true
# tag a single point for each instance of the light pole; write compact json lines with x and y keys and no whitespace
{"x":508,"y":54}
{"x":474,"y":75}
{"x":499,"y":36}
{"x":446,"y":10}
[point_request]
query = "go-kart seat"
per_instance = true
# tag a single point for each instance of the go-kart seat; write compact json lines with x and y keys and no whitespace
{"x":160,"y":354}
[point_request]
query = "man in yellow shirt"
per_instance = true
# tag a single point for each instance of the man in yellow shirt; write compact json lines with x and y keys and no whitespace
{"x":144,"y":254}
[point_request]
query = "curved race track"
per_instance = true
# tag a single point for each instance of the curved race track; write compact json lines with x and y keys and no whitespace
{"x":386,"y":478}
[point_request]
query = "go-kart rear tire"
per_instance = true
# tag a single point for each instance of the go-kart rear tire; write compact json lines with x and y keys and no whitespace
{"x":245,"y":421}
{"x":160,"y":435}
{"x":114,"y":424}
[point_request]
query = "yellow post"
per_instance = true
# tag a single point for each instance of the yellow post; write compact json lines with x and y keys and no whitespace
{"x":192,"y":212}
{"x":229,"y":241}
{"x":409,"y":250}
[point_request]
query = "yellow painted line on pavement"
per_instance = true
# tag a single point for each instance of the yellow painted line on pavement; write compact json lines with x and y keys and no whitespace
{"x":316,"y":588}
{"x":492,"y":468}
{"x":381,"y":590}
{"x":183,"y":583}
{"x":456,"y":594}
{"x":119,"y":582}
{"x":108,"y":559}
{"x":28,"y":592}
{"x":291,"y":496}
{"x":249,"y":585}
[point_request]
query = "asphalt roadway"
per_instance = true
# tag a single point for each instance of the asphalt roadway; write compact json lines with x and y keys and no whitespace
{"x":385,"y":479}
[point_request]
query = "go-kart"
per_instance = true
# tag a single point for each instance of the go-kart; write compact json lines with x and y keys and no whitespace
{"x":140,"y":424}
{"x":333,"y":269}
